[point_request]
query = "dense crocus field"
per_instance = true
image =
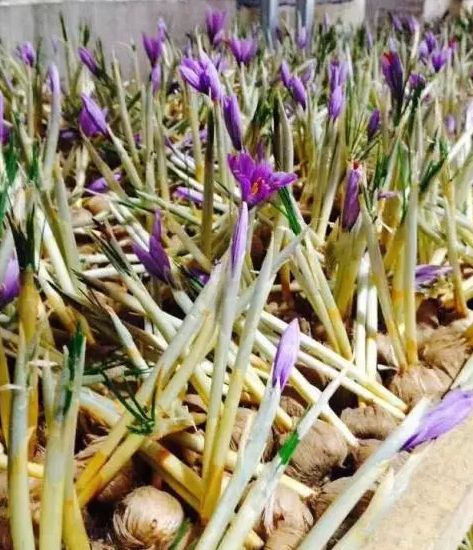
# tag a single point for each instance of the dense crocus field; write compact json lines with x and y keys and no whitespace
{"x":235,"y":291}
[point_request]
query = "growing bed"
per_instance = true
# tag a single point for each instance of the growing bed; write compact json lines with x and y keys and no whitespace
{"x":235,"y":291}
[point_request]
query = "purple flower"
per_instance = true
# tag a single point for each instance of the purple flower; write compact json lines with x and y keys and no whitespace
{"x":423,"y":51}
{"x":416,"y":81}
{"x":54,"y":81}
{"x":301,"y":38}
{"x":373,"y":124}
{"x":454,"y":408}
{"x":410,"y":23}
{"x":89,"y":61}
{"x":285,"y":74}
{"x":393,"y":73}
{"x":153,"y":47}
{"x":26,"y":53}
{"x":369,"y":39}
{"x":10,"y":287}
{"x":431,"y":41}
{"x":243,"y":49}
{"x":100,"y":185}
{"x":201,"y":276}
{"x":286,"y":354}
{"x":188,"y":139}
{"x":450,"y":124}
{"x":155,"y":77}
{"x":351,"y":204}
{"x":396,"y":22}
{"x":297,"y":89}
{"x":68,"y":135}
{"x":92,"y":118}
{"x":162,"y":30}
{"x":258,"y":181}
{"x":439,"y":58}
{"x":336,"y":103}
{"x":387,"y":195}
{"x":220,"y":62}
{"x":308,"y":75}
{"x":238,"y":246}
{"x":232,"y":117}
{"x":215,"y":25}
{"x":4,"y":130}
{"x":202,"y":75}
{"x":427,"y":274}
{"x":189,"y":194}
{"x":338,"y":72}
{"x":155,"y":259}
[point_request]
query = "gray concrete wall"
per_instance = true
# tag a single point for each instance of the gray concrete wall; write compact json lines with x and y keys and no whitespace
{"x":115,"y":21}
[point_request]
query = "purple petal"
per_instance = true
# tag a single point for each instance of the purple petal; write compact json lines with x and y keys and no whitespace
{"x":336,"y":103}
{"x":297,"y":90}
{"x":351,"y":204}
{"x":240,"y":233}
{"x":427,"y":274}
{"x":285,"y":74}
{"x":10,"y":287}
{"x":100,"y":185}
{"x":286,"y":354}
{"x":92,"y":118}
{"x":27,"y":53}
{"x":454,"y":408}
{"x":232,"y":117}
{"x":373,"y":124}
{"x":189,"y":194}
{"x":88,"y":60}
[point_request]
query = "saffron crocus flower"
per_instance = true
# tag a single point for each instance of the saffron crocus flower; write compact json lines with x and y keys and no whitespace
{"x":427,"y":274}
{"x":27,"y":53}
{"x":301,"y":38}
{"x":450,"y":124}
{"x":54,"y":81}
{"x":100,"y":185}
{"x":373,"y":124}
{"x":243,"y":49}
{"x":351,"y":204}
{"x":410,"y":23}
{"x":394,"y":74}
{"x":10,"y":286}
{"x":232,"y":117}
{"x":68,"y":135}
{"x":155,"y":78}
{"x":286,"y":354}
{"x":338,"y":72}
{"x":239,"y":238}
{"x":202,"y":75}
{"x":153,"y":47}
{"x":215,"y":25}
{"x":369,"y":40}
{"x":220,"y":62}
{"x":416,"y":81}
{"x":89,"y":61}
{"x":258,"y":181}
{"x":454,"y":408}
{"x":396,"y":22}
{"x":431,"y":41}
{"x":285,"y":74}
{"x":92,"y":118}
{"x":439,"y":58}
{"x":297,"y":89}
{"x":308,"y":75}
{"x":155,"y":259}
{"x":336,"y":103}
{"x":189,"y":194}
